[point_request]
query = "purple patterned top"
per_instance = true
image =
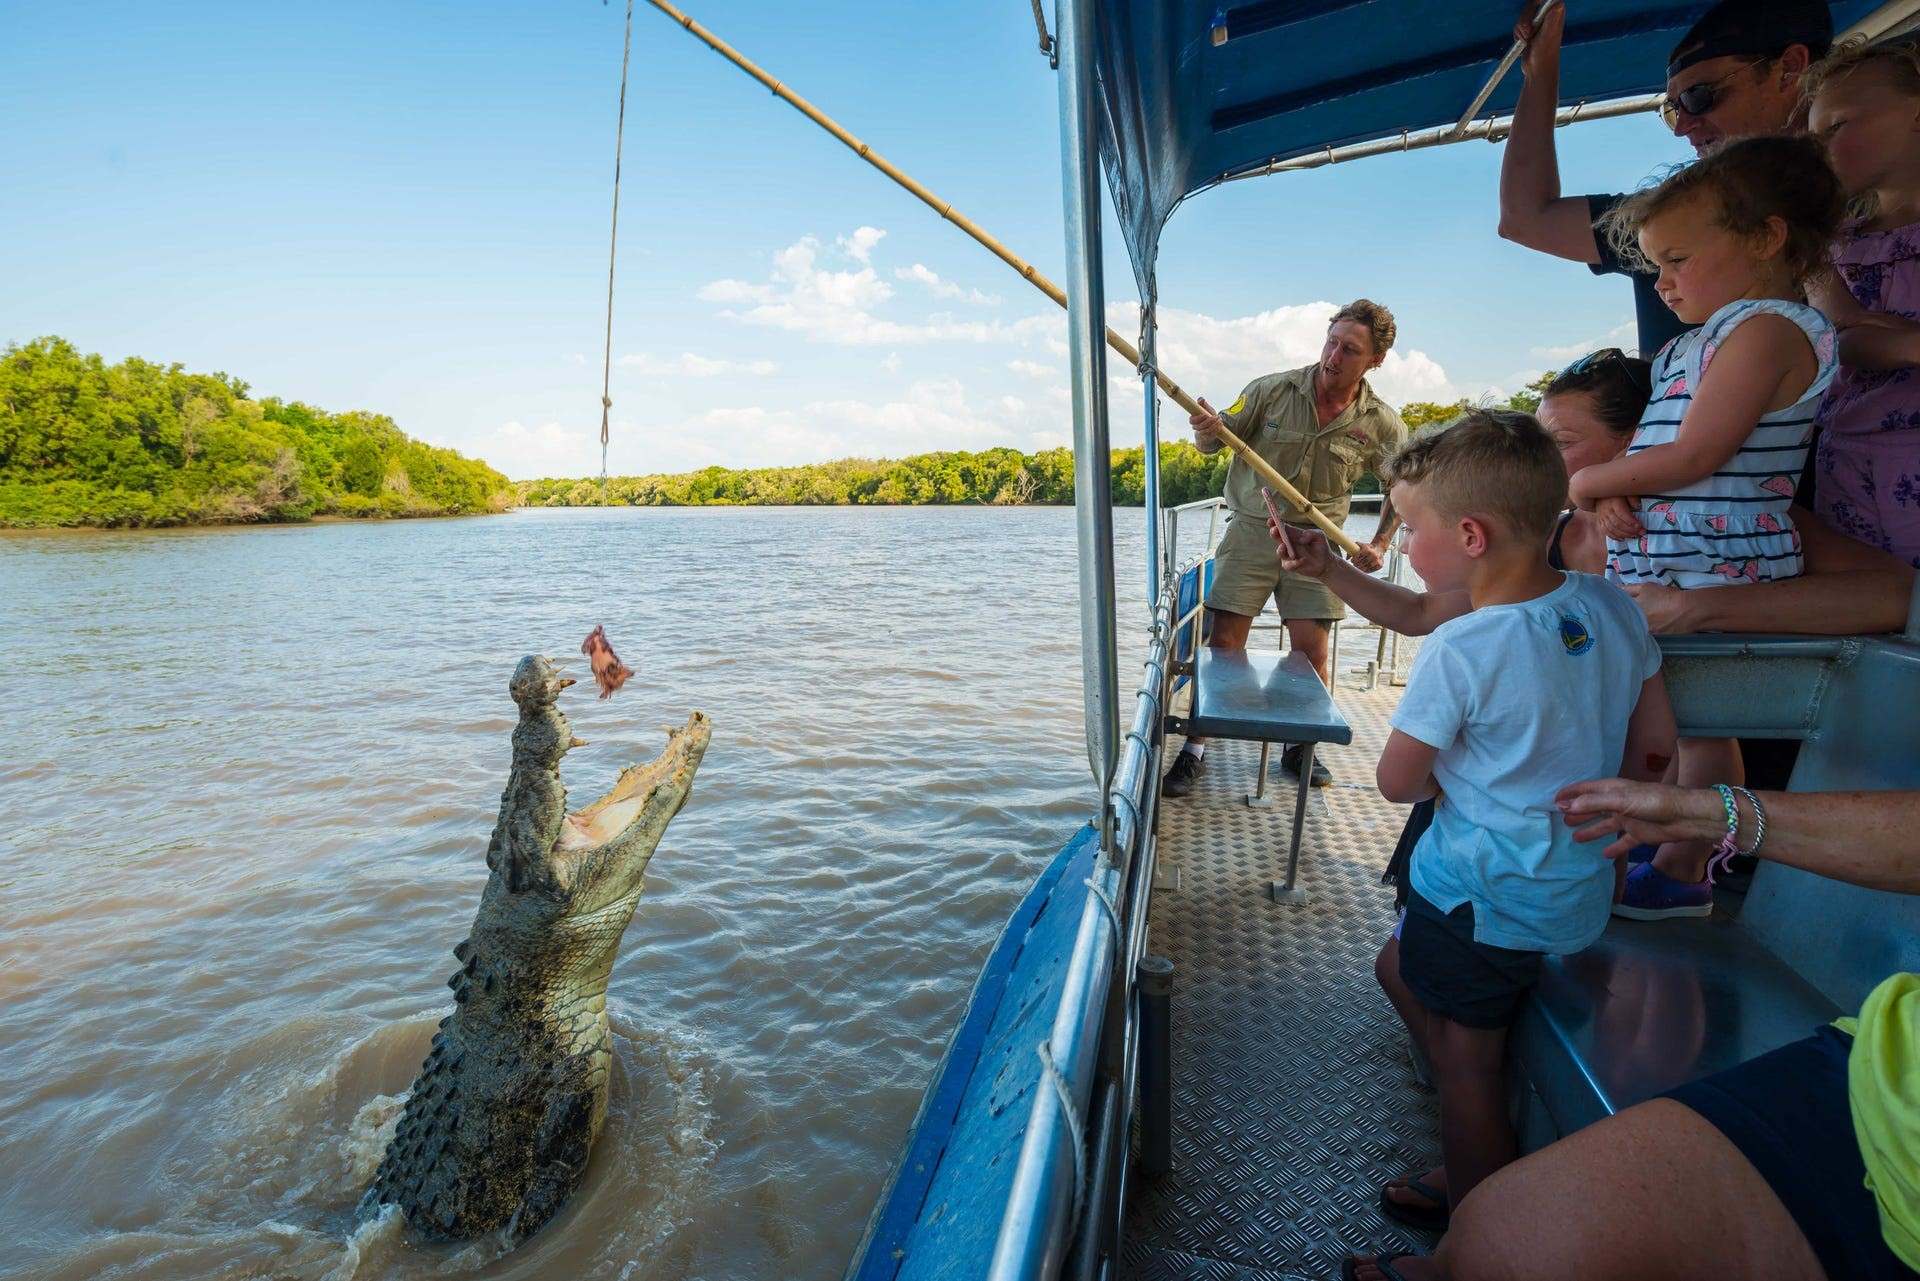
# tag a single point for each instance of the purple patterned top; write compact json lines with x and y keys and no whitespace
{"x":1868,"y":480}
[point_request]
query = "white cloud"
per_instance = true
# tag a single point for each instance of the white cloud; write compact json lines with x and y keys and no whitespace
{"x":1216,"y":357}
{"x":933,"y":414}
{"x":842,"y":307}
{"x":1625,"y":335}
{"x":860,"y":244}
{"x":548,"y":449}
{"x":692,"y":365}
{"x":930,"y":280}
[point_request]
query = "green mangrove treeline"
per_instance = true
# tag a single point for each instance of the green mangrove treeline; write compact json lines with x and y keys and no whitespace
{"x":992,"y":476}
{"x":83,"y":442}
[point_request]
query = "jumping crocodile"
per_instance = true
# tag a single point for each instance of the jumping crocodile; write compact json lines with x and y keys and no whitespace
{"x":496,"y":1132}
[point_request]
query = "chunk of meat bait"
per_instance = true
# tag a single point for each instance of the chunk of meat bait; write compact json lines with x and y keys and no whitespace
{"x":609,"y":673}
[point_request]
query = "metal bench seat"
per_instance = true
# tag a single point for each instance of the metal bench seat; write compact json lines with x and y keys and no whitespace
{"x":1266,"y":698}
{"x":1658,"y":1003}
{"x":1653,"y":1005}
{"x":1263,"y":698}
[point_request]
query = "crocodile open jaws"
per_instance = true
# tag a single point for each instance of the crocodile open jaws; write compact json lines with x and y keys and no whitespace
{"x":496,"y":1133}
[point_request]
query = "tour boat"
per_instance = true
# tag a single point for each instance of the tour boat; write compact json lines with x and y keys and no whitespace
{"x":1175,"y":1062}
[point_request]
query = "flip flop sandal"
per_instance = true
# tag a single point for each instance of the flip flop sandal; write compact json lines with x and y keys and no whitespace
{"x":1427,"y":1218}
{"x":1350,"y":1266}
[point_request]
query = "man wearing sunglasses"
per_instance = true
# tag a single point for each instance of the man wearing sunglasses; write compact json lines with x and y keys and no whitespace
{"x":1735,"y":74}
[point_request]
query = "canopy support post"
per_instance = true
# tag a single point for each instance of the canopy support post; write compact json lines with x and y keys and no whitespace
{"x":1087,"y":360}
{"x":1150,"y":391}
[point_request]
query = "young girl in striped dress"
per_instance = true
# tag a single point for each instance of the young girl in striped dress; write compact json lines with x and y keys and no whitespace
{"x":1700,"y":498}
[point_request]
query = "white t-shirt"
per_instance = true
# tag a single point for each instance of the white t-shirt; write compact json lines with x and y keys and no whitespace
{"x":1522,"y":700}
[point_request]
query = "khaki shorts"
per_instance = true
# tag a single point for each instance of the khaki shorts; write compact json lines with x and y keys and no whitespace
{"x":1246,"y":572}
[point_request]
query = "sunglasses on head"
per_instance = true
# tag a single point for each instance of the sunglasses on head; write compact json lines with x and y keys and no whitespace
{"x":1699,"y":99}
{"x":1637,"y":373}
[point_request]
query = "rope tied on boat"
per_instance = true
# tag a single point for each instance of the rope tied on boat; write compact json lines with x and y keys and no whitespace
{"x":613,"y":244}
{"x":1075,"y":1130}
{"x":1106,"y":900}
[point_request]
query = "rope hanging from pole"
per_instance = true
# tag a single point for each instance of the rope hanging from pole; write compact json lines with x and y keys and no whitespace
{"x":613,"y":244}
{"x":1128,"y":352}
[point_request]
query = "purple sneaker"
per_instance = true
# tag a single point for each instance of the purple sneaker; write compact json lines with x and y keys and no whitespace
{"x":1652,"y":895}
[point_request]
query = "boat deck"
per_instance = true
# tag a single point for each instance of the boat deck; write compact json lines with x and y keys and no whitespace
{"x":1293,"y":1094}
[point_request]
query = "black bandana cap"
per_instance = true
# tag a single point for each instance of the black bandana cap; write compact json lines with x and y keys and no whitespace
{"x":1754,"y":29}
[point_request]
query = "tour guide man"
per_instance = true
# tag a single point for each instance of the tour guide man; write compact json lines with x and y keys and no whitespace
{"x":1322,"y":428}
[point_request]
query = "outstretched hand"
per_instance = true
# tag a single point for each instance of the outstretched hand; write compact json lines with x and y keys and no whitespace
{"x":1302,"y":550}
{"x":1647,"y":813}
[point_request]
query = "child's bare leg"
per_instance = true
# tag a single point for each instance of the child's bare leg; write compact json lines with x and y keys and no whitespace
{"x":1386,"y":971}
{"x":1476,"y":1137}
{"x":1702,"y":762}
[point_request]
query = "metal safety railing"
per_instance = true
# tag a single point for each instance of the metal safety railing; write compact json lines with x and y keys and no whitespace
{"x":1063,"y":1212}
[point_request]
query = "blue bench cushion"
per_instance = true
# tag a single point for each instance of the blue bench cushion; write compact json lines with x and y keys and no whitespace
{"x":1264,"y":698}
{"x":1652,"y":1005}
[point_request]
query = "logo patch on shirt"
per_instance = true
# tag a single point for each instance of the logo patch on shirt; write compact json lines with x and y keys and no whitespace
{"x":1574,"y":635}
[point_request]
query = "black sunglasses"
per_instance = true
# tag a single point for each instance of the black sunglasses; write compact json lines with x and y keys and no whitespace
{"x":1637,"y":372}
{"x":1699,"y":99}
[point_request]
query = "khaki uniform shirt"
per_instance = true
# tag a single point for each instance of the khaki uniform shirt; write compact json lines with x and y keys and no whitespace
{"x":1275,"y":416}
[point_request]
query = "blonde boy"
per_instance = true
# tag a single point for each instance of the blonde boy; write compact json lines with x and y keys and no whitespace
{"x":1550,"y":678}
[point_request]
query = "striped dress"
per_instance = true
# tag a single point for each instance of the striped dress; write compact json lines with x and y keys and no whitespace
{"x":1731,"y":527}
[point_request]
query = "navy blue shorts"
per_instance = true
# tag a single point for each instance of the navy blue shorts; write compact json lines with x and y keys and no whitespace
{"x":1474,"y":984}
{"x":1788,"y":1114}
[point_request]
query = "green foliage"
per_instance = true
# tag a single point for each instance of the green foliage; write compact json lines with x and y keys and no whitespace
{"x":87,"y":443}
{"x":1529,"y":398}
{"x":993,"y":476}
{"x":1425,"y":413}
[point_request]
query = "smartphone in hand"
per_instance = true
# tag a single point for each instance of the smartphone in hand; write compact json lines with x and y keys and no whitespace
{"x":1286,"y":544}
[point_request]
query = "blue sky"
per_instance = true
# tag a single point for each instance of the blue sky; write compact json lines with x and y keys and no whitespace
{"x":403,"y":208}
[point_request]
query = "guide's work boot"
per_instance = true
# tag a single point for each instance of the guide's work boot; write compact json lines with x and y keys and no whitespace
{"x":1290,"y":761}
{"x":1179,"y":780}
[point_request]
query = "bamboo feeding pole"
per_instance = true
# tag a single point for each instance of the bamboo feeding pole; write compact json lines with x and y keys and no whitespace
{"x":1280,"y":484}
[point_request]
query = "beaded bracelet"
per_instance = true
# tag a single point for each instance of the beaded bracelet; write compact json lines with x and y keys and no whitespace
{"x":1759,"y":821}
{"x":1723,"y":852}
{"x":1729,"y":844}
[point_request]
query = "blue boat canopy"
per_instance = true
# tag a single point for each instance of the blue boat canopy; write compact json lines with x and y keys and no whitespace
{"x":1195,"y":92}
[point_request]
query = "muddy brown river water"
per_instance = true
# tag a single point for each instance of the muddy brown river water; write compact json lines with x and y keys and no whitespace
{"x":248,"y":778}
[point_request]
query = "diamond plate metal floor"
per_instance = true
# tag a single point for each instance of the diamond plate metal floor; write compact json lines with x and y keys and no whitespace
{"x":1293,"y":1097}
